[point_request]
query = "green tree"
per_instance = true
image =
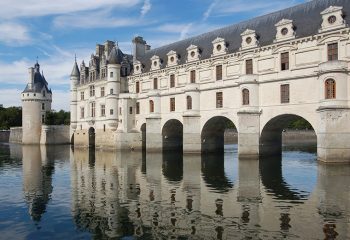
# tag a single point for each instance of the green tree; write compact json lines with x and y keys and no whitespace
{"x":57,"y":118}
{"x":10,"y":117}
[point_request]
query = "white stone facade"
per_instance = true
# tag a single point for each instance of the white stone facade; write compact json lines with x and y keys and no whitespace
{"x":260,"y":70}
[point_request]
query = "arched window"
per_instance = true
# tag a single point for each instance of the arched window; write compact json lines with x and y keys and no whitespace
{"x":189,"y":102}
{"x":245,"y":96}
{"x":329,"y":89}
{"x":151,"y":106}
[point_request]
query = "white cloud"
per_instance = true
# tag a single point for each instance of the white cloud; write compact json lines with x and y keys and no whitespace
{"x":226,"y":7}
{"x":209,"y":10}
{"x":35,"y":8}
{"x":96,"y":19}
{"x":60,"y":100}
{"x":146,"y":7}
{"x":14,"y":34}
{"x":14,"y":100}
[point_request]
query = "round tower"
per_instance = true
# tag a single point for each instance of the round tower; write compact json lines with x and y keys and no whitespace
{"x":113,"y":85}
{"x":36,"y":101}
{"x":74,"y":81}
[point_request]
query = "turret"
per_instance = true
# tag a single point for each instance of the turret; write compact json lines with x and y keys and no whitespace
{"x":74,"y":80}
{"x":113,"y":84}
{"x":36,"y":101}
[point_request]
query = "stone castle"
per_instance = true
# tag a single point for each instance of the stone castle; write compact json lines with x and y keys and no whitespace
{"x":257,"y":75}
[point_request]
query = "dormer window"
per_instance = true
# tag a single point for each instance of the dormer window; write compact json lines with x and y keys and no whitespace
{"x":249,"y":39}
{"x":138,"y":67}
{"x":193,"y":53}
{"x":284,"y":30}
{"x":156,"y":63}
{"x":173,"y":58}
{"x":332,"y":18}
{"x":219,"y":46}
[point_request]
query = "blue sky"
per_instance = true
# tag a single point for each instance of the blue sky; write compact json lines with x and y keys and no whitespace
{"x":56,"y":30}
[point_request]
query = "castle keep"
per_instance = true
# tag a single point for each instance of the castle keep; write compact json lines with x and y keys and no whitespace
{"x":258,"y":75}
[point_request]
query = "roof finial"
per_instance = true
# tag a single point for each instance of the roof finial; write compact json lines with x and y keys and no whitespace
{"x":37,"y":59}
{"x":75,"y":57}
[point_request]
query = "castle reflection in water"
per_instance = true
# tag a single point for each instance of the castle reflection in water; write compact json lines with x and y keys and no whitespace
{"x":165,"y":195}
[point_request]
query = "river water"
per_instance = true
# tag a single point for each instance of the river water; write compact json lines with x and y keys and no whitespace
{"x":58,"y":193}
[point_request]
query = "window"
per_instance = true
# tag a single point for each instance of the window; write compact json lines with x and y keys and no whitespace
{"x":285,"y":93}
{"x":81,"y":95}
{"x":92,"y":91}
{"x":189,"y":102}
{"x":245,"y":96}
{"x":93,"y":106}
{"x":172,"y":104}
{"x":82,"y":113}
{"x":103,"y":110}
{"x":110,"y":111}
{"x":111,"y":91}
{"x":285,"y":61}
{"x":219,"y":72}
{"x":111,"y":74}
{"x":43,"y":106}
{"x":330,"y":89}
{"x":130,"y":110}
{"x":137,"y":108}
{"x":43,"y":118}
{"x":193,"y":76}
{"x":155,"y":83}
{"x":332,"y":51}
{"x":249,"y":66}
{"x":151,"y":106}
{"x":172,"y":80}
{"x":102,"y":91}
{"x":120,"y":111}
{"x":44,"y":93}
{"x":219,"y":100}
{"x":137,"y":87}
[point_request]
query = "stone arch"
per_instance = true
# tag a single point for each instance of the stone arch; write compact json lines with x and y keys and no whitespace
{"x":172,"y":135}
{"x":92,"y":137}
{"x":271,"y":133}
{"x":212,"y":135}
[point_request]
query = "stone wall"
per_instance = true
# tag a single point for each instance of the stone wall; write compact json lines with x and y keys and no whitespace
{"x":16,"y":135}
{"x":299,"y":136}
{"x":4,"y":135}
{"x":49,"y":135}
{"x":55,"y":134}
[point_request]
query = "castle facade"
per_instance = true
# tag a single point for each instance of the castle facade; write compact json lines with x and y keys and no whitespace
{"x":258,"y":75}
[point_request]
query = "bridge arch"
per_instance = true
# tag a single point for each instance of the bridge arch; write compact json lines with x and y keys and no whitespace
{"x":212,"y":134}
{"x":172,"y":135}
{"x":271,"y":133}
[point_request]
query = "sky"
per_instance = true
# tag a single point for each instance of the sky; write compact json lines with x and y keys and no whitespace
{"x":54,"y":31}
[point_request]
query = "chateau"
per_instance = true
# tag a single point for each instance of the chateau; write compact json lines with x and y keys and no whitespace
{"x":258,"y":75}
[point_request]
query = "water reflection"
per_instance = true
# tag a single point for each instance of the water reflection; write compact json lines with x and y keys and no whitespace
{"x":157,"y":196}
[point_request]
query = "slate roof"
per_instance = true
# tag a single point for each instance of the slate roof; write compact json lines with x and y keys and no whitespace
{"x":115,"y":56}
{"x":75,"y":71}
{"x":306,"y":18}
{"x":39,"y":82}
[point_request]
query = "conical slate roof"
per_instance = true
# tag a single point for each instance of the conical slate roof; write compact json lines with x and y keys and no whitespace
{"x":116,"y":56}
{"x":39,"y":82}
{"x":75,"y":71}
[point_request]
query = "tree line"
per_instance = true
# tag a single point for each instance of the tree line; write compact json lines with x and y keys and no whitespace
{"x":12,"y":117}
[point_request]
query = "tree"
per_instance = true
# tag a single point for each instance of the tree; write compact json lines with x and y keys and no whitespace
{"x":10,"y":117}
{"x":57,"y":118}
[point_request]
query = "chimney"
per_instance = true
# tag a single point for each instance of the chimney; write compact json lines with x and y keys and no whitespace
{"x":31,"y":78}
{"x":139,"y":47}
